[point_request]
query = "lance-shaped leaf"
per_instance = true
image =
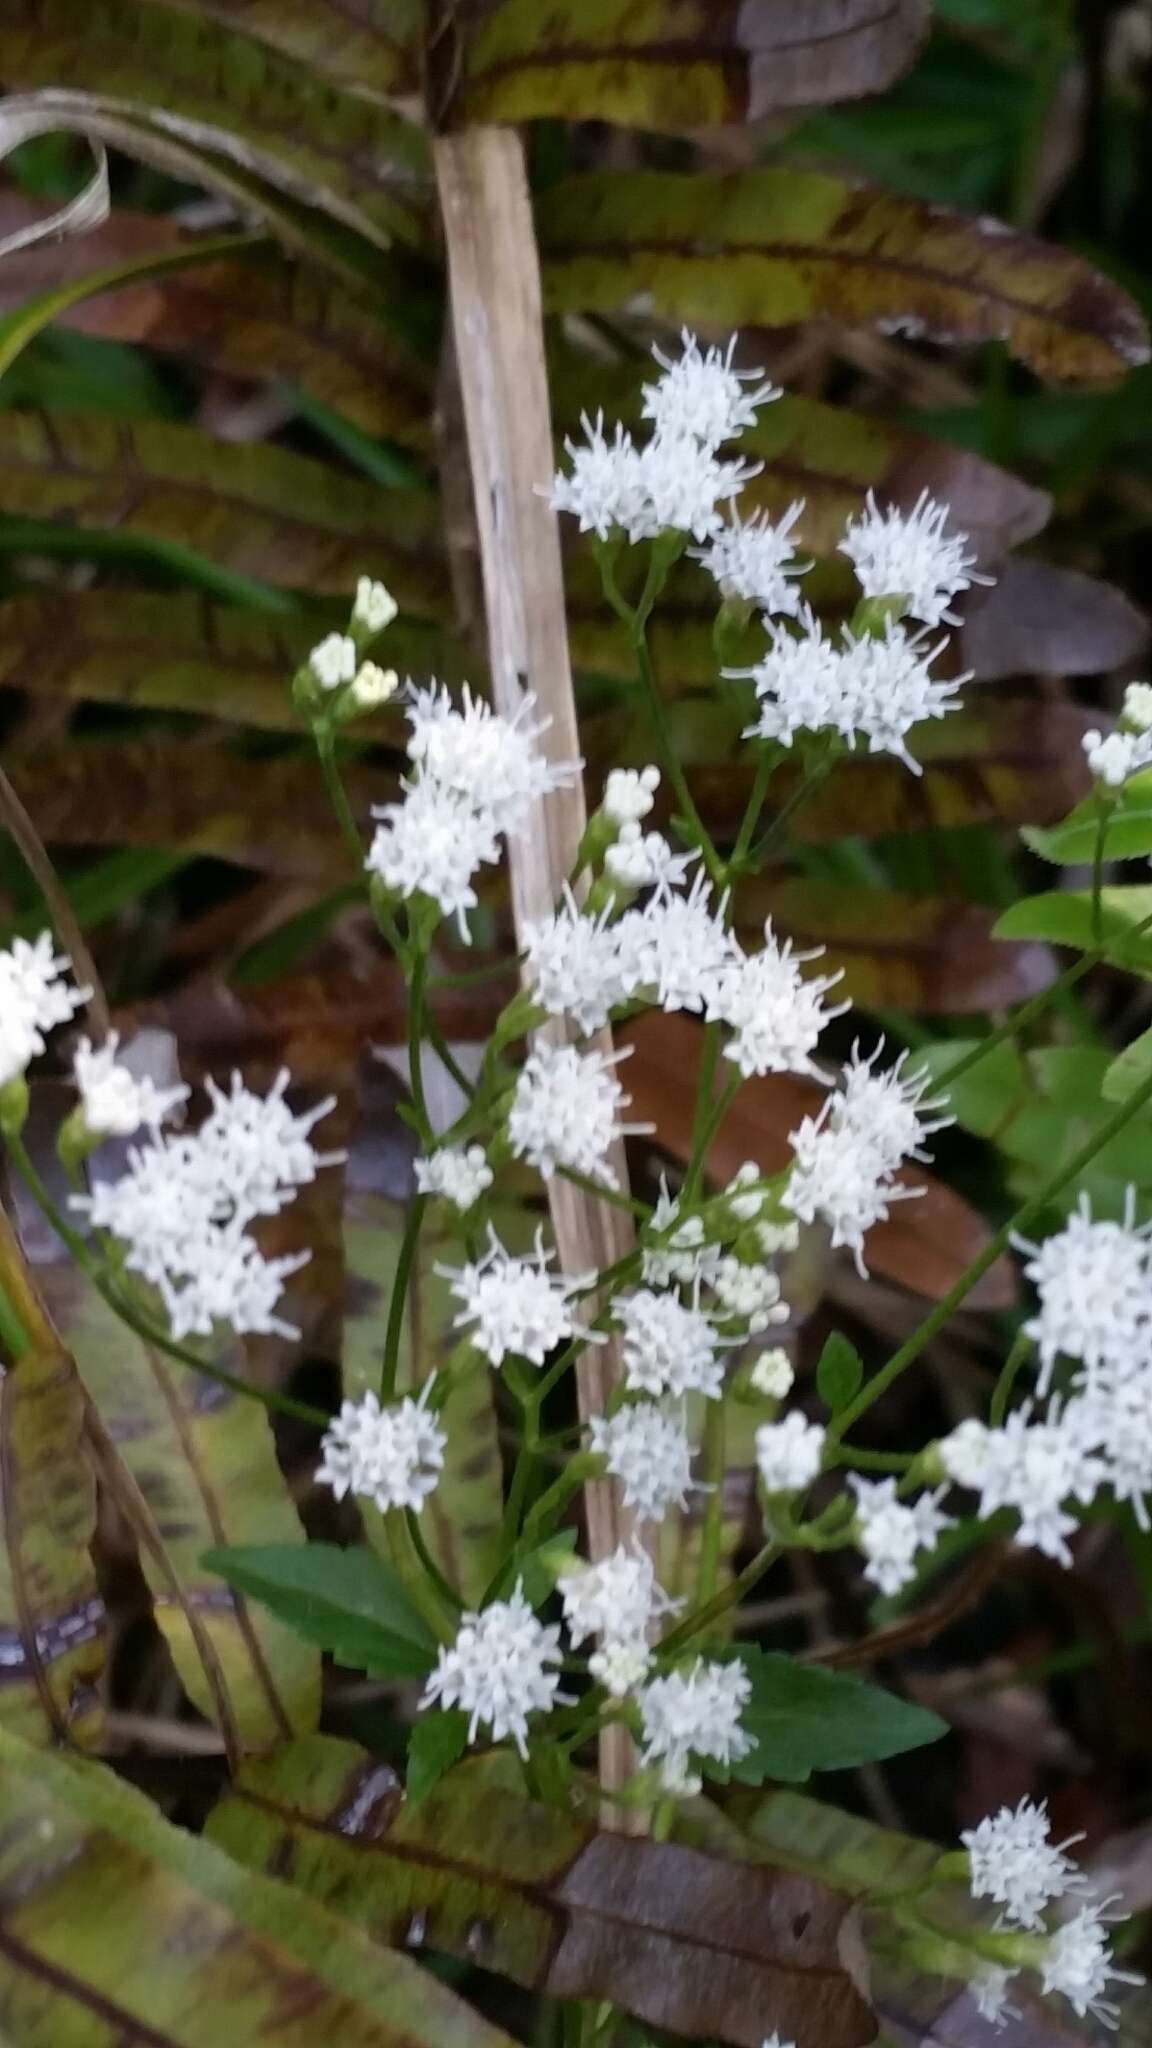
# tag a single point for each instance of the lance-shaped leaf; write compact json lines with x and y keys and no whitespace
{"x":52,"y":1623}
{"x":205,"y":1464}
{"x":1121,"y":829}
{"x":370,"y":47}
{"x":351,"y":256}
{"x":774,"y":247}
{"x":924,"y":1245}
{"x":269,"y":814}
{"x":180,"y":652}
{"x":256,"y":314}
{"x":268,"y":514}
{"x":1066,"y":917}
{"x":117,"y":1926}
{"x":225,"y":92}
{"x":684,"y":1941}
{"x":345,"y":1601}
{"x":201,"y":1470}
{"x":801,"y":1719}
{"x":680,"y":63}
{"x":917,"y":953}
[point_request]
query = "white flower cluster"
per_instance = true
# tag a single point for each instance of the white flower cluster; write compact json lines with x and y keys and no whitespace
{"x":501,"y":1668}
{"x":391,"y":1456}
{"x":1014,"y":1863}
{"x":616,"y":1601}
{"x":873,"y":687}
{"x":847,"y":1157}
{"x":676,"y":951}
{"x":646,"y":1446}
{"x":477,"y":775}
{"x":514,"y":1307}
{"x":755,"y":560}
{"x":891,"y":1532}
{"x":694,"y":1715}
{"x":910,"y":555}
{"x":183,"y":1208}
{"x":678,"y":479}
{"x":565,"y":1112}
{"x":1094,"y":1308}
{"x":115,"y":1103}
{"x":460,"y":1173}
{"x":1114,"y":756}
{"x":35,"y":996}
{"x":668,"y":1348}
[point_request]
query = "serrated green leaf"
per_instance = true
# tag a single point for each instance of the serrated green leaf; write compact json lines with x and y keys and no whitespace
{"x":839,"y":1372}
{"x":1127,"y":835}
{"x":438,"y":1740}
{"x":804,"y":1719}
{"x":1065,"y":917}
{"x":1129,"y":1070}
{"x":347,"y":1601}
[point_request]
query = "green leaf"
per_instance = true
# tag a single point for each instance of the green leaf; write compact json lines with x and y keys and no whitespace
{"x":347,"y":1601}
{"x":176,"y":652}
{"x":270,"y":815}
{"x":1129,"y":1070}
{"x":1065,"y":918}
{"x":677,"y":64}
{"x":358,"y":162}
{"x":1128,"y":831}
{"x":437,"y":1741}
{"x":777,"y":247}
{"x":839,"y":1372}
{"x":375,"y":52}
{"x":202,"y":1470}
{"x":120,"y":1927}
{"x":262,"y":512}
{"x":689,"y":1942}
{"x":255,"y":314}
{"x":804,"y":1719}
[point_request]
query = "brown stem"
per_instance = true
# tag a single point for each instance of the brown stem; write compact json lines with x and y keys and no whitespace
{"x":498,"y":328}
{"x":35,"y":857}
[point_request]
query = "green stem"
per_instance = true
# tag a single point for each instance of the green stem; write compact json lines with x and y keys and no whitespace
{"x":1027,"y":1213}
{"x":1029,"y":1011}
{"x":326,"y":751}
{"x":666,"y":748}
{"x":448,"y":1594}
{"x":765,"y":769}
{"x":805,"y":788}
{"x":417,"y":977}
{"x":140,"y":1324}
{"x":728,"y":1596}
{"x":400,"y":1285}
{"x":1104,"y":809}
{"x":712,"y":1123}
{"x":1007,"y":1380}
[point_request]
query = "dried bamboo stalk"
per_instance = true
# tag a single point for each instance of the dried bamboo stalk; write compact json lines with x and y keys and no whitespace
{"x":496,"y":315}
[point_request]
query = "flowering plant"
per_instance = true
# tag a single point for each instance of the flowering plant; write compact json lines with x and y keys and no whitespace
{"x":631,"y":1376}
